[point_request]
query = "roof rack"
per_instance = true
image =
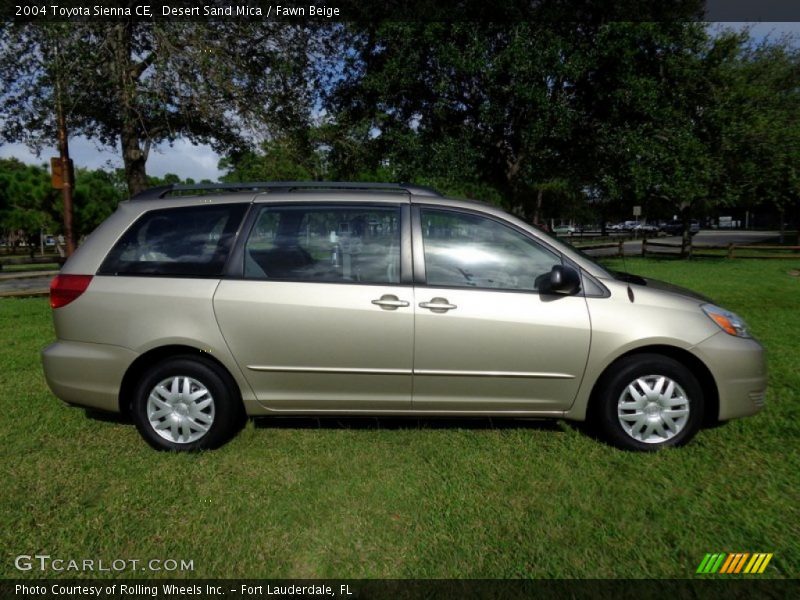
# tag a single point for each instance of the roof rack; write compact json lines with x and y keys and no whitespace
{"x":163,"y":191}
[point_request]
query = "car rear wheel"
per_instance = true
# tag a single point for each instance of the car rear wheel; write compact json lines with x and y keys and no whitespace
{"x":186,"y":403}
{"x":650,"y":401}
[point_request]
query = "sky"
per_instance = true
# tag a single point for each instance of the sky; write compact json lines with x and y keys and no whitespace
{"x":182,"y":158}
{"x":200,"y":161}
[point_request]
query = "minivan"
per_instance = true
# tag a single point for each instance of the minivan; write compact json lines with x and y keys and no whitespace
{"x":192,"y":307}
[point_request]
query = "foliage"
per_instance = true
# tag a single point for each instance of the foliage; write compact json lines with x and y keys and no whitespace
{"x":461,"y":103}
{"x":133,"y":84}
{"x":28,"y":203}
{"x":96,"y":195}
{"x":642,"y":97}
{"x":553,"y":119}
{"x":658,"y":114}
{"x":281,"y":159}
{"x":760,"y":144}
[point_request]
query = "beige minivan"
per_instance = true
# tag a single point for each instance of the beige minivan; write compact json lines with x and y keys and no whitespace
{"x":194,"y":306}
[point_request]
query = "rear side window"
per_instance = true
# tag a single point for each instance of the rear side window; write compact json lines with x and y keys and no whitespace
{"x":190,"y":241}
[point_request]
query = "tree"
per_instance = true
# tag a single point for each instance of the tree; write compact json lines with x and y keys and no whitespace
{"x":545,"y":118}
{"x":476,"y":104}
{"x":28,"y":203}
{"x":132,"y":85}
{"x":97,"y":195}
{"x":527,"y":109}
{"x":644,"y":99}
{"x":281,"y":159}
{"x":760,"y":124}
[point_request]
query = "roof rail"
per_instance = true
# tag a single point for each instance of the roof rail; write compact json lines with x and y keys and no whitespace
{"x":163,"y":191}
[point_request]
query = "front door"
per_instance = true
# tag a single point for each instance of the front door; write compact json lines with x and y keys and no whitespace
{"x":485,"y":338}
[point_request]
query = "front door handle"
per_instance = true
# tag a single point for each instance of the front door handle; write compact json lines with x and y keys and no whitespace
{"x":390,"y":302}
{"x":438,"y":305}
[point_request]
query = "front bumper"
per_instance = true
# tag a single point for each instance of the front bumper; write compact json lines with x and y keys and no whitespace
{"x":739,"y":368}
{"x":85,"y":374}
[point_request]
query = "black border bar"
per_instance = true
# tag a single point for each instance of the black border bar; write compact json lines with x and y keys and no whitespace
{"x":327,"y":11}
{"x":728,"y":587}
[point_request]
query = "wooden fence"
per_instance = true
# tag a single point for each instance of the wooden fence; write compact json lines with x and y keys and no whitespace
{"x":620,"y":247}
{"x":649,"y":248}
{"x":27,"y":260}
{"x":729,"y":250}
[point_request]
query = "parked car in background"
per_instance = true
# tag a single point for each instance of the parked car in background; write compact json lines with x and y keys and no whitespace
{"x":630,"y":225}
{"x":645,"y":228}
{"x":676,"y":227}
{"x":620,"y":227}
{"x":566,"y":229}
{"x":188,"y":312}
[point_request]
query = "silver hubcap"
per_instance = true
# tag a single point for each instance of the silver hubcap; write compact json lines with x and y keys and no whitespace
{"x":180,"y":409}
{"x":653,"y":409}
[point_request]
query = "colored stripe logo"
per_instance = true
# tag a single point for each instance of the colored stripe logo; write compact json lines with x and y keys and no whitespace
{"x":734,"y":563}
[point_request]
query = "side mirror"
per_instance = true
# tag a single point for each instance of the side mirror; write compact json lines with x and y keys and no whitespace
{"x":562,"y":280}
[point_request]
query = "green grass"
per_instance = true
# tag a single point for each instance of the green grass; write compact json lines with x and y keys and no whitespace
{"x":409,"y":499}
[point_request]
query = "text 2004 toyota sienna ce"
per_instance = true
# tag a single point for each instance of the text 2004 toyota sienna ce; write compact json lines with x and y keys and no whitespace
{"x":188,"y":312}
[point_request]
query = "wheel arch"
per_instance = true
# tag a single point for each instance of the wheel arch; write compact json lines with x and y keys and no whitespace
{"x":156,"y":355}
{"x":687,"y":359}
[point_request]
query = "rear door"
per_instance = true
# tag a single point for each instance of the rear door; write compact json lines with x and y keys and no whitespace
{"x":485,"y":338}
{"x":321,"y":317}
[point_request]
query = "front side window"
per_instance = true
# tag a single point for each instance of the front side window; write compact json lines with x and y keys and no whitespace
{"x":192,"y":241}
{"x":466,"y":250}
{"x":324,"y":243}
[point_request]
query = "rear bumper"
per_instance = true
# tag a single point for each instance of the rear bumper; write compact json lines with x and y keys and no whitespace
{"x":740,"y":371}
{"x":87,"y":375}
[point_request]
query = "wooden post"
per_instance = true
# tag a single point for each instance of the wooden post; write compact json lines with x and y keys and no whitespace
{"x":621,"y":248}
{"x":730,"y":250}
{"x":644,"y":246}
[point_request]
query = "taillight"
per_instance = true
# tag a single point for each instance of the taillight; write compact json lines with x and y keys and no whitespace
{"x":65,"y":288}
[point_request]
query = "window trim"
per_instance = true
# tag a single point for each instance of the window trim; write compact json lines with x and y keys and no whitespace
{"x":235,"y":267}
{"x":420,"y":278}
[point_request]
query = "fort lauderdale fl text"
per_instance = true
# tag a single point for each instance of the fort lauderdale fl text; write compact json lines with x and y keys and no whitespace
{"x":164,"y":10}
{"x":171,"y":590}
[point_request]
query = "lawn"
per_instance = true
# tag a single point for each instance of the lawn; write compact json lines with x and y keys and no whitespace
{"x":410,"y":499}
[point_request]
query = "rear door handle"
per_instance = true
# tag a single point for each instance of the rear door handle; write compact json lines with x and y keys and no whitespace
{"x":438,"y":305}
{"x":390,"y":302}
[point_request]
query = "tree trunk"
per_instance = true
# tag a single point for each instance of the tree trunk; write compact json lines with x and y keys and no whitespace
{"x":134,"y":156}
{"x":134,"y":159}
{"x":537,"y":212}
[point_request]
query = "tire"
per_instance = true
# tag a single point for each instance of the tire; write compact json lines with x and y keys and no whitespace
{"x":648,"y":402}
{"x":186,"y":403}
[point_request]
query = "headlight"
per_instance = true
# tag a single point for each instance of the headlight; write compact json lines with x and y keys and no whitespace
{"x":729,"y":322}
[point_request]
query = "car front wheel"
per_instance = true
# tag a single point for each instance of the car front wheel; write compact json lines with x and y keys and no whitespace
{"x":648,"y":402}
{"x":185,"y":403}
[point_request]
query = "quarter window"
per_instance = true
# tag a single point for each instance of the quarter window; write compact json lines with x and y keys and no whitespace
{"x":465,"y":250}
{"x":333,"y":244}
{"x":177,"y":242}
